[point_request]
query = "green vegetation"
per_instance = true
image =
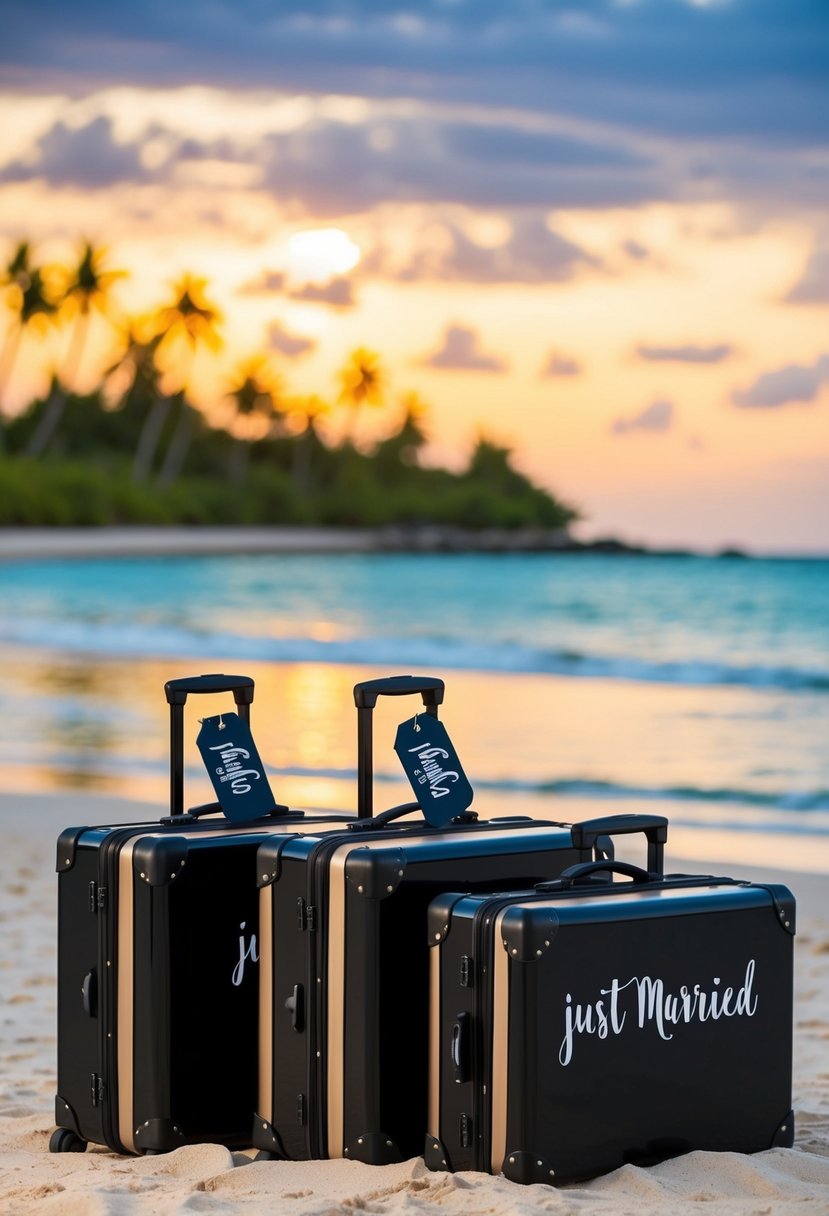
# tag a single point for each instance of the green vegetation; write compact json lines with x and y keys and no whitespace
{"x":138,"y":449}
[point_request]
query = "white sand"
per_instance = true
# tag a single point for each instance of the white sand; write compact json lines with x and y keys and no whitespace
{"x":207,"y":1178}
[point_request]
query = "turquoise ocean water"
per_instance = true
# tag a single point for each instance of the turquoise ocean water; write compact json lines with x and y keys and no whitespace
{"x":697,"y":683}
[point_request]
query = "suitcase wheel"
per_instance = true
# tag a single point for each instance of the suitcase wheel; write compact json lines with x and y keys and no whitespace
{"x":264,"y":1155}
{"x":64,"y":1141}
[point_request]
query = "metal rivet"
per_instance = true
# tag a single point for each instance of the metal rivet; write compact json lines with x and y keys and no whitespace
{"x":400,"y":873}
{"x":538,"y":952}
{"x":388,"y":1144}
{"x":264,"y":878}
{"x":552,"y":1173}
{"x":319,"y":1055}
{"x":109,"y":964}
{"x":264,"y":1127}
{"x":514,"y":950}
{"x":546,"y":943}
{"x":143,"y":875}
{"x":389,"y":888}
{"x":66,"y":863}
{"x":109,"y":1034}
{"x":443,"y":1162}
{"x":433,"y":1146}
{"x":512,"y":1161}
{"x":539,"y":1163}
{"x":437,"y":937}
{"x":345,"y":1150}
{"x":66,"y":1106}
{"x":360,"y":1140}
{"x":360,"y":890}
{"x":787,"y":923}
{"x":172,"y":875}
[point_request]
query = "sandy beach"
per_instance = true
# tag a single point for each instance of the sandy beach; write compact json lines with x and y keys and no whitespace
{"x":208,"y":1178}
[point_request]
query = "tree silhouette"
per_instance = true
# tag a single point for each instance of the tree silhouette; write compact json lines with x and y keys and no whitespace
{"x":28,"y":296}
{"x":257,"y":396}
{"x":87,"y":288}
{"x":188,"y":321}
{"x":362,"y":382}
{"x":307,"y":411}
{"x":135,"y":376}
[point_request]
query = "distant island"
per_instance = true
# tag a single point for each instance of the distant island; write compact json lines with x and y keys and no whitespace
{"x":139,"y":450}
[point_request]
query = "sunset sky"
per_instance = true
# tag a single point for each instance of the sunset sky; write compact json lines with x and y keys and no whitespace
{"x":595,"y":231}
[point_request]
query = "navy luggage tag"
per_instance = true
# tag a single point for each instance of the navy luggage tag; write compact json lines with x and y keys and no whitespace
{"x":234,"y":767}
{"x":433,"y":768}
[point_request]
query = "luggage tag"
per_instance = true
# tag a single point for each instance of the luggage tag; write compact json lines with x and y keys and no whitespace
{"x":433,"y":768}
{"x":234,"y":767}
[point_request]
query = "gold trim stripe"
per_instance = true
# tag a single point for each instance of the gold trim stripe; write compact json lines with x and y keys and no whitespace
{"x":500,"y":1047}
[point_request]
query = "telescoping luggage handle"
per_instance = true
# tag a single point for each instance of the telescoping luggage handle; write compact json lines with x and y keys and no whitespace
{"x":177,"y":692}
{"x":599,"y":833}
{"x":366,"y":693}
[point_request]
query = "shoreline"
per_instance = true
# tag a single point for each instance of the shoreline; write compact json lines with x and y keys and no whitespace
{"x":36,"y":543}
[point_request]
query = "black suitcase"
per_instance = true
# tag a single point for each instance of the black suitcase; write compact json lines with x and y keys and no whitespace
{"x":584,"y":1025}
{"x":157,"y":992}
{"x":344,"y":969}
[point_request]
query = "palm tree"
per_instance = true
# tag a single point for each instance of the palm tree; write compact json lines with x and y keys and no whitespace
{"x":29,"y":297}
{"x":190,"y":320}
{"x":136,"y":377}
{"x":362,"y":382}
{"x":411,"y":436}
{"x":308,"y":411}
{"x":256,"y":395}
{"x":87,"y":288}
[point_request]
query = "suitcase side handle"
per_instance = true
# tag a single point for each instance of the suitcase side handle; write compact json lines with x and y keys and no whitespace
{"x":655,"y":827}
{"x":576,"y":875}
{"x":177,"y":692}
{"x":366,"y":693}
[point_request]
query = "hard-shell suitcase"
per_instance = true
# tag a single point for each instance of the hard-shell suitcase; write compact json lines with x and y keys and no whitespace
{"x":588,"y":1024}
{"x":344,"y":969}
{"x":157,"y":946}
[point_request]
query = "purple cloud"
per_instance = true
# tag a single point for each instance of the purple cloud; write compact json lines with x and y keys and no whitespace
{"x":561,"y":365}
{"x":338,"y":293}
{"x":460,"y":352}
{"x":657,"y":418}
{"x":793,"y":384}
{"x":813,"y":287}
{"x":286,"y":343}
{"x":685,"y":354}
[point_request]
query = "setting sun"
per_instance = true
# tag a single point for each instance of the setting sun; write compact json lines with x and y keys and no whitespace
{"x":319,"y":254}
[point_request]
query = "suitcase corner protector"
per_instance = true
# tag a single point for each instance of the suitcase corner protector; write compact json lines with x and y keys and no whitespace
{"x":265,"y":1138}
{"x":527,"y":1168}
{"x":158,"y":1136}
{"x":527,"y":934}
{"x":66,"y":1117}
{"x":160,"y":861}
{"x":66,"y":848}
{"x":373,"y":1148}
{"x":375,"y":873}
{"x":784,"y":1133}
{"x":435,"y":1154}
